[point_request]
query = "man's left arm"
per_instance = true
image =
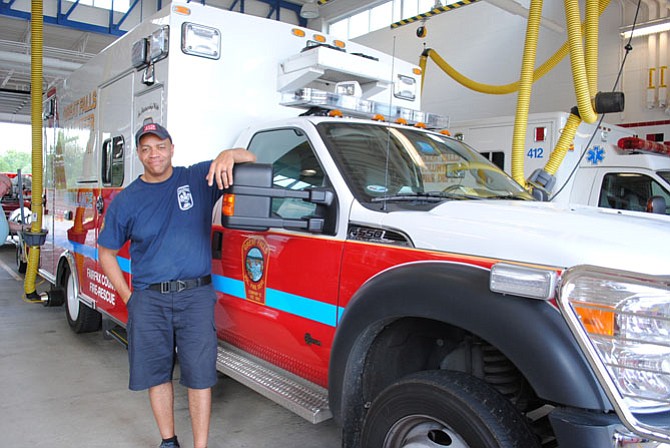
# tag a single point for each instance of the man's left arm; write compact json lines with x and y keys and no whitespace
{"x":221,"y":169}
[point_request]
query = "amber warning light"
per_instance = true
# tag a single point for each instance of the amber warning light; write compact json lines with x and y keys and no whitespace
{"x":228,"y":205}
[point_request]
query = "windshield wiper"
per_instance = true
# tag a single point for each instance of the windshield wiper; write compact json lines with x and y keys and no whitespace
{"x":511,"y":197}
{"x":433,"y":196}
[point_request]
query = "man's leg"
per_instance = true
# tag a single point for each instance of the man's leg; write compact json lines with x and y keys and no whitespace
{"x":162,"y":403}
{"x":200,"y":407}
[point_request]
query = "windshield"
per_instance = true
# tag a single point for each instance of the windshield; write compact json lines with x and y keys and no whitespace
{"x":383,"y":163}
{"x":665,"y":175}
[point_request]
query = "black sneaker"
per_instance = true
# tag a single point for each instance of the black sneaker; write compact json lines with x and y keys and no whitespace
{"x":172,"y":443}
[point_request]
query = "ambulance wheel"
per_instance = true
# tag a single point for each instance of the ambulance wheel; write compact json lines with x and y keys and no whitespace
{"x":440,"y":408}
{"x":21,"y":265}
{"x":80,"y":317}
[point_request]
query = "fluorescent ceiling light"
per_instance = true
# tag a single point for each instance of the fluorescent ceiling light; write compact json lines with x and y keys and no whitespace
{"x":646,"y":28}
{"x":309,"y":10}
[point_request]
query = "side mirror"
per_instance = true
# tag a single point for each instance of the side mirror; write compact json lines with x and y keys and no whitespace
{"x":656,"y":204}
{"x":247,"y":205}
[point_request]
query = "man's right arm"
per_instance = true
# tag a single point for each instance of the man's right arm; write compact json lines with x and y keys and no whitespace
{"x":112,"y":270}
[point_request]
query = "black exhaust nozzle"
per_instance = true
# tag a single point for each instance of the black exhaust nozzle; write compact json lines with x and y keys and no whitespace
{"x":608,"y":102}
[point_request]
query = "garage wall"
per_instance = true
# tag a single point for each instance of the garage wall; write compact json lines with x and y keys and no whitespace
{"x":486,"y":44}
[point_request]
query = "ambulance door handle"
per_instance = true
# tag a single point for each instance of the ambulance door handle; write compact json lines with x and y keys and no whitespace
{"x":99,"y":204}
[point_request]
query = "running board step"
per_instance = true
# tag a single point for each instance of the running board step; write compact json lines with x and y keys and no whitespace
{"x":299,"y":396}
{"x":111,"y":330}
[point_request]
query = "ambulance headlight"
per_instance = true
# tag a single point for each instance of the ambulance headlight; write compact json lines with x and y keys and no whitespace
{"x":158,"y":44}
{"x":202,"y":41}
{"x":625,"y":318}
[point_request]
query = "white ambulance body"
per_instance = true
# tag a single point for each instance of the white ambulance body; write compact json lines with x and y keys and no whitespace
{"x":227,"y":72}
{"x":396,"y":270}
{"x":607,"y":175}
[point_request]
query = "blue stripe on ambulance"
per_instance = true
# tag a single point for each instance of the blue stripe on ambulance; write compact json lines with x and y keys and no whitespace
{"x":307,"y":308}
{"x":90,"y":252}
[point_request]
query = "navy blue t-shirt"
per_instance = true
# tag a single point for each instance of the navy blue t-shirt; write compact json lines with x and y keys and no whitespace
{"x":168,"y":224}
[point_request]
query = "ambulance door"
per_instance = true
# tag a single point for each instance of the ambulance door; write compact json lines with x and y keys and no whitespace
{"x":278,"y":289}
{"x":114,"y":117}
{"x":75,"y":181}
{"x":48,"y":258}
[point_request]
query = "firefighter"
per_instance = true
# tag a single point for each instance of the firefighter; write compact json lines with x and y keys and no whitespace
{"x":166,"y":216}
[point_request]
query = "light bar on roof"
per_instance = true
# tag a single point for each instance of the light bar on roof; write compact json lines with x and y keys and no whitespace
{"x":638,"y":144}
{"x":360,"y":108}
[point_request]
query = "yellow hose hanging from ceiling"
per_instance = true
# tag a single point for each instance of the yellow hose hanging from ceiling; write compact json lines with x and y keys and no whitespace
{"x":585,"y":78}
{"x":578,"y":63}
{"x":525,"y":88}
{"x":591,"y":55}
{"x":503,"y":89}
{"x":563,"y":144}
{"x":36,"y":44}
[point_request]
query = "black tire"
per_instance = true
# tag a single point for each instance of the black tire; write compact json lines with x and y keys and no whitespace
{"x":80,"y":317}
{"x":21,"y":265}
{"x":440,"y":408}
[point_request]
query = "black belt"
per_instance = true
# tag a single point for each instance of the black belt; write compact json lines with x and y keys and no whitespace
{"x":180,"y":285}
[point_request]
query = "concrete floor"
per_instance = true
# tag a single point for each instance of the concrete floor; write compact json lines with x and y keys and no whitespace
{"x":59,"y":389}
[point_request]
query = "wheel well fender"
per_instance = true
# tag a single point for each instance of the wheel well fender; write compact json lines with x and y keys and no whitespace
{"x":530,"y":333}
{"x":65,"y":263}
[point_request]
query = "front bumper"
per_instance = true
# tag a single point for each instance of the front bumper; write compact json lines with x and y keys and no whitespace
{"x":577,"y":428}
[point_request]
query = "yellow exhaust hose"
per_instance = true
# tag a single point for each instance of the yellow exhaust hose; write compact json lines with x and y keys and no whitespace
{"x":503,"y":89}
{"x":525,"y":88}
{"x":591,"y":55}
{"x":36,"y":39}
{"x":563,"y":144}
{"x":577,"y":62}
{"x":584,"y":92}
{"x":422,"y":65}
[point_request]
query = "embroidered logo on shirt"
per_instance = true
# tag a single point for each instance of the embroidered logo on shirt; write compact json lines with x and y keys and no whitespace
{"x":184,"y":197}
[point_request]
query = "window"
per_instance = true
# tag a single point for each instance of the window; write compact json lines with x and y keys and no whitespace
{"x":111,"y":5}
{"x":294,"y":166}
{"x":409,"y":167}
{"x":380,"y":16}
{"x":359,"y":24}
{"x":630,"y":191}
{"x":497,"y":157}
{"x":112,"y":162}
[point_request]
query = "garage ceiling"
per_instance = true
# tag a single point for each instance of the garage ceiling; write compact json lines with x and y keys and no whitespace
{"x":67,"y":48}
{"x":64,"y":50}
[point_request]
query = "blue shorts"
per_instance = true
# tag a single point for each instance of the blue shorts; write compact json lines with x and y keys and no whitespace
{"x":160,"y":323}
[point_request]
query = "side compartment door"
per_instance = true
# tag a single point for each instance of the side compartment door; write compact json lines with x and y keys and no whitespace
{"x":114,"y":117}
{"x":278,"y":289}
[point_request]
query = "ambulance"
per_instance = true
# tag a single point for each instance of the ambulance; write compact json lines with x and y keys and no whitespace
{"x":607,"y":166}
{"x":368,"y":267}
